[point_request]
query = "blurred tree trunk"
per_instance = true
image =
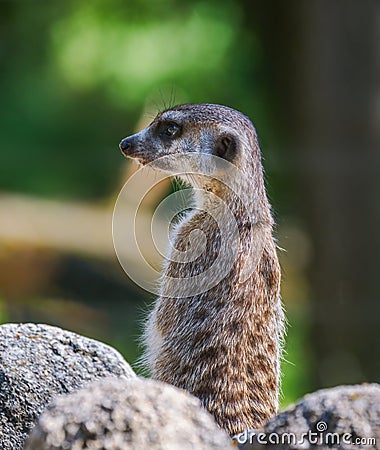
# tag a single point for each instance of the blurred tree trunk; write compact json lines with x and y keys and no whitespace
{"x":324,"y":59}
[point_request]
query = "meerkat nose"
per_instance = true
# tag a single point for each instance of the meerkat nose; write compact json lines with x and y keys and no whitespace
{"x":126,"y":146}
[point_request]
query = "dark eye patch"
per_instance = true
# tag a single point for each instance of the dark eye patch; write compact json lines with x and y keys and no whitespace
{"x":169,"y":130}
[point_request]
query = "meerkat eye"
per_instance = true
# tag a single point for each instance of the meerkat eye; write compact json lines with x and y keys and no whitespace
{"x":170,"y":130}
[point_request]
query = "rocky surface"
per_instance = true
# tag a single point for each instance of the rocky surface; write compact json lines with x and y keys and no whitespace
{"x":137,"y":414}
{"x":39,"y":362}
{"x":344,"y":417}
{"x":106,"y":406}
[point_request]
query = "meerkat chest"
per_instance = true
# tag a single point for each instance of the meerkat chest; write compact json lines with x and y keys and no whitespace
{"x":200,"y":243}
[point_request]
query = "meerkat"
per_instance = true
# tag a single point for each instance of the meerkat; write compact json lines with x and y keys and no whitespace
{"x":222,"y":344}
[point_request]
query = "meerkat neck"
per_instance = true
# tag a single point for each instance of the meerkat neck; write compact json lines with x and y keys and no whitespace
{"x":245,"y":204}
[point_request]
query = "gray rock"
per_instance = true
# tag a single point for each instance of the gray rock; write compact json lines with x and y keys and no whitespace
{"x":344,"y":417}
{"x":138,"y":414}
{"x":39,"y":362}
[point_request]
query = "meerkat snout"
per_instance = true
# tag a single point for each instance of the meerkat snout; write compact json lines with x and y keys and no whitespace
{"x":126,"y":146}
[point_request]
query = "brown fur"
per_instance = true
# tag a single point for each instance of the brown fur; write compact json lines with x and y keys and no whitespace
{"x":223,"y":345}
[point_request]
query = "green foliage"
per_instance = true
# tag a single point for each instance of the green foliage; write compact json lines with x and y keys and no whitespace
{"x":94,"y":49}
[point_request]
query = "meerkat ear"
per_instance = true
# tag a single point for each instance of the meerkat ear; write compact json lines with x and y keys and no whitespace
{"x":226,"y":147}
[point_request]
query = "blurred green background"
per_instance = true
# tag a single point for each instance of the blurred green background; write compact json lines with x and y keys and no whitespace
{"x":77,"y":76}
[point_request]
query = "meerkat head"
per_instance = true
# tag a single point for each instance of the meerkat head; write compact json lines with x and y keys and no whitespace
{"x":212,"y":147}
{"x":193,"y":128}
{"x":214,"y":138}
